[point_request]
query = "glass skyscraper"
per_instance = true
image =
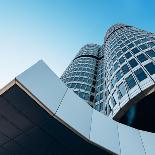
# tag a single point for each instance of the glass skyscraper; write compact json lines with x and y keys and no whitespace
{"x":114,"y":76}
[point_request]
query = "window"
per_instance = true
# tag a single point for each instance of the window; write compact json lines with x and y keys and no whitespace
{"x":115,"y":66}
{"x":88,"y":88}
{"x":124,"y":49}
{"x":97,"y":107}
{"x":140,"y":74}
{"x":81,"y":94}
{"x":92,"y":89}
{"x":122,"y":90}
{"x":72,"y":85}
{"x":141,"y":57}
{"x":135,"y":50}
{"x":151,"y":53}
{"x":78,"y":85}
{"x":118,"y":75}
{"x":137,"y":42}
{"x":101,"y":106}
{"x":125,"y":69}
{"x":101,"y":96}
{"x":101,"y":87}
{"x":97,"y":98}
{"x":133,"y":63}
{"x":131,"y":45}
{"x":151,"y":44}
{"x":119,"y":53}
{"x":113,"y":101}
{"x":121,"y":60}
{"x":128,"y":55}
{"x":113,"y":81}
{"x":143,"y":46}
{"x":150,"y":68}
{"x":91,"y":98}
{"x":130,"y":81}
{"x":86,"y":97}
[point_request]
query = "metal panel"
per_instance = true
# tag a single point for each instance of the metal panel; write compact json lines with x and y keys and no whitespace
{"x":75,"y":112}
{"x":104,"y":132}
{"x":44,"y":85}
{"x":148,"y":140}
{"x":130,"y":141}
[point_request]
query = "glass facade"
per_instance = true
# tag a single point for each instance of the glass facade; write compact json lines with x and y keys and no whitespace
{"x":106,"y":75}
{"x":81,"y":74}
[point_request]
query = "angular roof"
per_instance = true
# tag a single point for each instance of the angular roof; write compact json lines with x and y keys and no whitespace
{"x":40,"y":115}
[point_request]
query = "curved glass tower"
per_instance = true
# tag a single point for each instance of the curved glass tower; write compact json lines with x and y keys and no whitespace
{"x":115,"y":77}
{"x":130,"y":73}
{"x":81,"y":74}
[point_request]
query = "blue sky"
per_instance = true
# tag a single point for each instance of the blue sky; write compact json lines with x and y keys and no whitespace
{"x":54,"y":30}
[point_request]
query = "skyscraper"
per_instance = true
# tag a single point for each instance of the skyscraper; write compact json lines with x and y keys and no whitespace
{"x":114,"y":76}
{"x":81,"y":74}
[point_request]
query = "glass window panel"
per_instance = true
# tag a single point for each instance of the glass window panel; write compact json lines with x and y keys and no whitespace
{"x":143,"y":46}
{"x":131,"y":45}
{"x":135,"y":50}
{"x":113,"y":81}
{"x":150,"y":68}
{"x":151,"y":53}
{"x":115,"y":66}
{"x":133,"y":63}
{"x":119,"y":53}
{"x":140,"y":74}
{"x":118,"y":75}
{"x":121,"y":60}
{"x":137,"y":42}
{"x":141,"y":57}
{"x":124,"y":49}
{"x":125,"y":69}
{"x":113,"y":101}
{"x":128,"y":55}
{"x":122,"y":90}
{"x":72,"y":85}
{"x":130,"y":81}
{"x":151,"y":44}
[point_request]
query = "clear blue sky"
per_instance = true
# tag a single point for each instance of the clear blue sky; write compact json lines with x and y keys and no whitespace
{"x":54,"y":30}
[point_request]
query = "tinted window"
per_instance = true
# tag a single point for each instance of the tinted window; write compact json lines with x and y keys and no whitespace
{"x":151,"y":53}
{"x":113,"y":81}
{"x":141,"y":57}
{"x":151,"y":44}
{"x":121,"y":60}
{"x":137,"y":42}
{"x":119,"y":53}
{"x":124,"y":49}
{"x":143,"y":47}
{"x":151,"y":68}
{"x":125,"y":69}
{"x":115,"y":66}
{"x":122,"y":90}
{"x":72,"y":85}
{"x":130,"y":81}
{"x":135,"y":50}
{"x":91,"y":98}
{"x":81,"y":94}
{"x":131,"y":45}
{"x":133,"y":63}
{"x":118,"y":75}
{"x":128,"y":55}
{"x":140,"y":74}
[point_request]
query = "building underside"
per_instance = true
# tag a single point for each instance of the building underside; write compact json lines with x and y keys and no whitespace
{"x":27,"y":129}
{"x":40,"y":115}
